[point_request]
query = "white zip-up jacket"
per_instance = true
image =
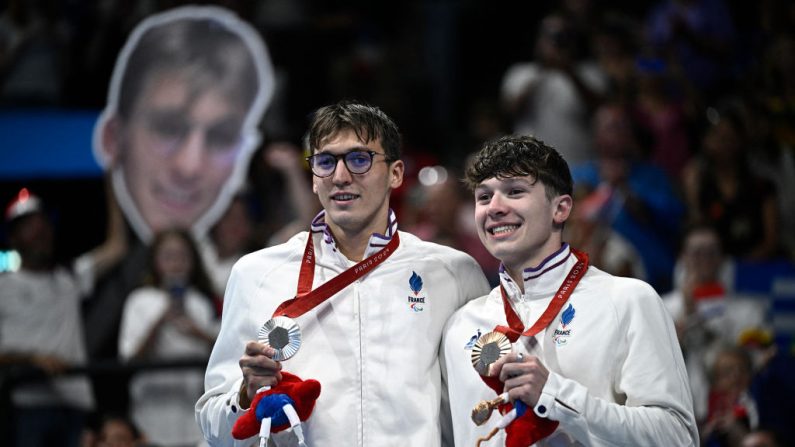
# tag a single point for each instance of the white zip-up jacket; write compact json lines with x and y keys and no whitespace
{"x":616,"y":375}
{"x":373,"y":346}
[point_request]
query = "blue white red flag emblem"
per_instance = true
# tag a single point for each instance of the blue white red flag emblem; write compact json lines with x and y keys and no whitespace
{"x":416,"y":302}
{"x":563,"y":332}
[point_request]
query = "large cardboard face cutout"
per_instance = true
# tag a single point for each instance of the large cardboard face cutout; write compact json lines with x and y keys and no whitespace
{"x":187,"y":93}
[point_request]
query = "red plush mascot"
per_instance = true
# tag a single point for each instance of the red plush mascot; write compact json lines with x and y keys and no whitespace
{"x":278,"y":408}
{"x":522,"y":426}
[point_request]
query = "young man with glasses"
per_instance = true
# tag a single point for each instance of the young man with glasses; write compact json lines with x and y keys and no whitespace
{"x":588,"y":358}
{"x":372,"y":340}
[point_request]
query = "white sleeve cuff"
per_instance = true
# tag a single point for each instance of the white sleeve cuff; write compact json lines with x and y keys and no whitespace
{"x":547,"y":399}
{"x":232,"y":401}
{"x":561,"y":399}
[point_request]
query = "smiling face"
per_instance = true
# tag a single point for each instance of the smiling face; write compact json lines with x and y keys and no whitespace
{"x":516,"y":221}
{"x":357,"y":205}
{"x":177,"y":150}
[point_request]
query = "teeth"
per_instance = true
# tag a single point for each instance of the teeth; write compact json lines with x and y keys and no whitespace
{"x":344,"y":197}
{"x":503,"y":229}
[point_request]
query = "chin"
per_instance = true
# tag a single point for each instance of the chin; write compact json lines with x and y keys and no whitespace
{"x":341,"y":217}
{"x":498,"y":252}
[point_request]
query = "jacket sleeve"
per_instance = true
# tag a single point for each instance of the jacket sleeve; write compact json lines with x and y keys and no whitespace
{"x":471,"y":281}
{"x":650,"y":379}
{"x":218,"y":409}
{"x":472,"y":284}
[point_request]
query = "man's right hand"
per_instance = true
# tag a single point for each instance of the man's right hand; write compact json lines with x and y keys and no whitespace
{"x":259,"y":369}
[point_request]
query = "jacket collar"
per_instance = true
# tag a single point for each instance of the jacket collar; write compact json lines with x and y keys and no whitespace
{"x":326,"y":245}
{"x":541,"y":281}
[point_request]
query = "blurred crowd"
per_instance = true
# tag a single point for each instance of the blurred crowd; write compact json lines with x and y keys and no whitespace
{"x":677,"y":118}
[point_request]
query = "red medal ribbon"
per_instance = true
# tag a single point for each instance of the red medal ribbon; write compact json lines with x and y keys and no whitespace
{"x":307,"y":299}
{"x":516,"y":328}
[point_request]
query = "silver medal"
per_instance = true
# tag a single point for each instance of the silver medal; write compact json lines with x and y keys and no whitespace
{"x":488,"y":349}
{"x":283,"y":335}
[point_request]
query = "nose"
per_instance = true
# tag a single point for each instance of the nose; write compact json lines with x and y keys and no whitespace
{"x":497,"y":205}
{"x":341,"y":174}
{"x":189,"y":158}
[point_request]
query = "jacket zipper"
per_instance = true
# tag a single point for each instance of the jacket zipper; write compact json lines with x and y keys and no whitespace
{"x":358,"y":315}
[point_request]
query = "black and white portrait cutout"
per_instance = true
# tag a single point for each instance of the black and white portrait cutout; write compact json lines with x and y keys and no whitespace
{"x":187,"y":94}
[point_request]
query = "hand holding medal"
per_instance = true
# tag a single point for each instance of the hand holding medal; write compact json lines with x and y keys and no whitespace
{"x":291,"y":399}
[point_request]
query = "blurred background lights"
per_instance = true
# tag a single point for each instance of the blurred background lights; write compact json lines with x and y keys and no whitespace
{"x":9,"y":261}
{"x":432,"y":175}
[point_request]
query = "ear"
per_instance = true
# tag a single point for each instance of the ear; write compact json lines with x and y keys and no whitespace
{"x":396,"y":174}
{"x":562,"y":208}
{"x":110,"y":138}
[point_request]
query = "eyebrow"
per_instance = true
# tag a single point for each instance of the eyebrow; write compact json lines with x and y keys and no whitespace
{"x":348,"y":150}
{"x":510,"y":181}
{"x":521,"y":180}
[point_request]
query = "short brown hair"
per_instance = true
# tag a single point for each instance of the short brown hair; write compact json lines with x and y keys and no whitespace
{"x":366,"y":121}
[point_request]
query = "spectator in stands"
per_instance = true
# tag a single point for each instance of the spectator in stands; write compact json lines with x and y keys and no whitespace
{"x":171,"y":318}
{"x":707,"y":313}
{"x":636,"y":197}
{"x":552,"y":97}
{"x":721,"y":189}
{"x":118,"y":431}
{"x":732,"y":412}
{"x":41,"y":325}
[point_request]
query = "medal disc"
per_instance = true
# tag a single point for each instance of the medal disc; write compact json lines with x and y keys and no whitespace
{"x":488,"y":349}
{"x":283,"y":335}
{"x":481,"y":413}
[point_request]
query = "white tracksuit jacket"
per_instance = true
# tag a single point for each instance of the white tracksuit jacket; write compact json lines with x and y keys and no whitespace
{"x":616,"y":372}
{"x":372,"y":348}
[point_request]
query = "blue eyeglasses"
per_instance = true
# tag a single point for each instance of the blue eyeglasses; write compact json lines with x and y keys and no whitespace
{"x":324,"y":164}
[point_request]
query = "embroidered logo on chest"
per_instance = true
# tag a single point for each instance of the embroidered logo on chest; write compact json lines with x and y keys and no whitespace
{"x":416,"y":301}
{"x":472,"y":341}
{"x":563,"y":332}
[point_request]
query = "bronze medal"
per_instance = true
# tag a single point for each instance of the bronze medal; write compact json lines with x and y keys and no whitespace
{"x":488,"y":349}
{"x":482,"y":411}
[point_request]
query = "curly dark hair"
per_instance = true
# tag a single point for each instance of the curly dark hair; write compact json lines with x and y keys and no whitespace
{"x":366,"y":121}
{"x":518,"y":156}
